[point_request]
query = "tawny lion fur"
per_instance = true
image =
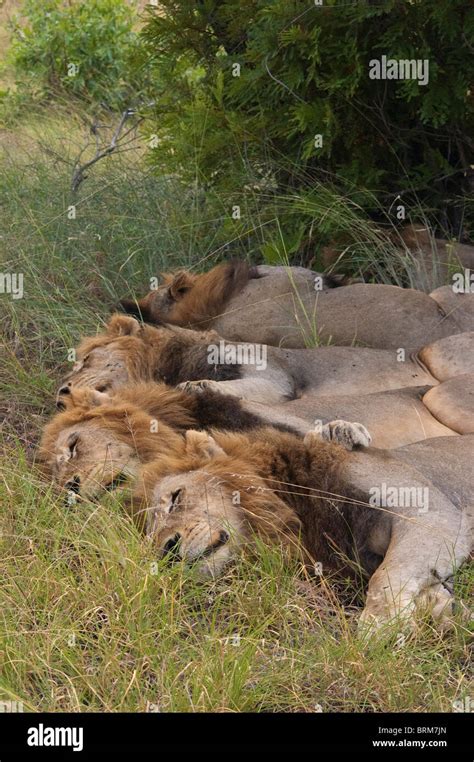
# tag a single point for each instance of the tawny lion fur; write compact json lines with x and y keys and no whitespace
{"x":99,"y":442}
{"x":295,"y":386}
{"x":97,"y":422}
{"x":290,"y":492}
{"x":296,"y":307}
{"x":193,"y":512}
{"x":190,"y":300}
{"x":128,"y":426}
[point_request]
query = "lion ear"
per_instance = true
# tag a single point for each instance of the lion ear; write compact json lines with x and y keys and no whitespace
{"x":96,"y":398}
{"x":202,"y":444}
{"x":182,"y":283}
{"x":120,"y":325}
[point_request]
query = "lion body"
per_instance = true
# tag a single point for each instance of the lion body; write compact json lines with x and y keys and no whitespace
{"x":308,"y":490}
{"x":294,"y":307}
{"x":398,"y":401}
{"x":313,"y":496}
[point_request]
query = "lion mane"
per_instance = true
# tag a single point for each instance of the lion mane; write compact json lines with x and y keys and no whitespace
{"x":130,"y":411}
{"x":129,"y":423}
{"x":190,"y":300}
{"x":290,"y":491}
{"x":168,"y":353}
{"x":287,"y":485}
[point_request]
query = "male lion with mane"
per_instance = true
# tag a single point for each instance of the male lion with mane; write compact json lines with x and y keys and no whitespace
{"x":204,"y":505}
{"x":103,"y":442}
{"x":219,"y":298}
{"x":129,"y":351}
{"x":294,"y":386}
{"x":100,"y":439}
{"x":295,"y":307}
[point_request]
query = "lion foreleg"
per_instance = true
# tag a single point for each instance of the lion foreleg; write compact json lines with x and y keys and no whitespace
{"x":422,"y":555}
{"x":429,"y":535}
{"x":253,"y":389}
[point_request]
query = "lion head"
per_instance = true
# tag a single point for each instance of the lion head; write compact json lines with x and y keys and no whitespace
{"x":161,"y":304}
{"x":186,"y":299}
{"x":131,"y":352}
{"x":204,"y":506}
{"x":99,"y":443}
{"x":105,"y":362}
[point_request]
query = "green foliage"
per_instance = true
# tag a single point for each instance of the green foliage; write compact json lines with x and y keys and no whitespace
{"x":304,"y":71}
{"x":86,"y":50}
{"x":130,"y":225}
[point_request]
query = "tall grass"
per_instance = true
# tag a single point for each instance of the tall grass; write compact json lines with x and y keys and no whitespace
{"x":127,"y":227}
{"x":90,"y":622}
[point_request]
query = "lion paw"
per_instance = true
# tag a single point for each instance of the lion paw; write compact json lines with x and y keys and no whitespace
{"x":440,"y":603}
{"x":437,"y":601}
{"x":198,"y":387}
{"x":348,"y":434}
{"x":379,"y":620}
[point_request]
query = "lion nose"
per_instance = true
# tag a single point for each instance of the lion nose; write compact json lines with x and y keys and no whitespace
{"x":171,"y":548}
{"x":74,"y":485}
{"x":222,"y":539}
{"x":65,"y":389}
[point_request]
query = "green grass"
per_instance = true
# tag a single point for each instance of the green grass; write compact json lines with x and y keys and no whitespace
{"x":129,"y":226}
{"x":87,"y":620}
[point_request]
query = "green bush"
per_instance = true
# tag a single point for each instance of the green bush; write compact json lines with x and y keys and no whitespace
{"x":83,"y":49}
{"x":304,"y":71}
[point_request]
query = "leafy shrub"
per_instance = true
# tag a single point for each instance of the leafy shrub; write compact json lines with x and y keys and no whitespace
{"x":304,"y":71}
{"x":84,"y":49}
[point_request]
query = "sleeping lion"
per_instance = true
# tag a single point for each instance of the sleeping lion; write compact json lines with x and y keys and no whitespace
{"x":100,"y":440}
{"x":205,"y":505}
{"x":293,"y":387}
{"x":295,"y":307}
{"x":313,"y":495}
{"x":131,"y":351}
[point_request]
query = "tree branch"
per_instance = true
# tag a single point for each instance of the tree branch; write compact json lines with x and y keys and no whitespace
{"x":116,"y":142}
